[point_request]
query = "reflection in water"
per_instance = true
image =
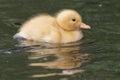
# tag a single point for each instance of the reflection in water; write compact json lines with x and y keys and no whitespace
{"x":64,"y":72}
{"x":64,"y":56}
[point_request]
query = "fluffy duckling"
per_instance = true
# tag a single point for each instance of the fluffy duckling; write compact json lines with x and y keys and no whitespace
{"x":62,"y":28}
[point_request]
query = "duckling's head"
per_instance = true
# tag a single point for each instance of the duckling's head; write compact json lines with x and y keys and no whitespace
{"x":69,"y":20}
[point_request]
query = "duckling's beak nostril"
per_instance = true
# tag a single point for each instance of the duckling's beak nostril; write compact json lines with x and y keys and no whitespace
{"x":84,"y":26}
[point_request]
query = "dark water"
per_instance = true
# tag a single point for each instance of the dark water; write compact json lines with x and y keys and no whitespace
{"x":96,"y":57}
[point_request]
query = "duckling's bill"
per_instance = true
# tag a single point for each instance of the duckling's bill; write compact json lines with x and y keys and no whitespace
{"x":84,"y":26}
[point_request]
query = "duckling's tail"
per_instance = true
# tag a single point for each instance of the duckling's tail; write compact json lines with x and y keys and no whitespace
{"x":18,"y":37}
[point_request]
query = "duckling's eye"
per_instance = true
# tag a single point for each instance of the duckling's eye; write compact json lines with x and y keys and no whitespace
{"x":73,"y":20}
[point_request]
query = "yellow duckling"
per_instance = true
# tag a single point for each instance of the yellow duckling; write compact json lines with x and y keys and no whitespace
{"x":62,"y":28}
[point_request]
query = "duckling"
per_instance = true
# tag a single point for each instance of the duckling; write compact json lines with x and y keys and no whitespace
{"x":64,"y":27}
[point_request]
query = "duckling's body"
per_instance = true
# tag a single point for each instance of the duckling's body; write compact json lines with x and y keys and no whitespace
{"x":40,"y":28}
{"x":46,"y":28}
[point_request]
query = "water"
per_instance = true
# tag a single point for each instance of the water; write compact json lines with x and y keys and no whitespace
{"x":96,"y":57}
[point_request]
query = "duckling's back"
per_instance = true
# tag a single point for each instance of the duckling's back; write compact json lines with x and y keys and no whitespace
{"x":36,"y":27}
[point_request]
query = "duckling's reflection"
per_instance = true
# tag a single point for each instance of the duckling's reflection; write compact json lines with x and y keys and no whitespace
{"x":67,"y":57}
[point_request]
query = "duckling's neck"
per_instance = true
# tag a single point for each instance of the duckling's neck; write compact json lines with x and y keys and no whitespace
{"x":61,"y":27}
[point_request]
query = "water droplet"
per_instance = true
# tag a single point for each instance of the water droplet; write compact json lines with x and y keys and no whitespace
{"x":100,"y":5}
